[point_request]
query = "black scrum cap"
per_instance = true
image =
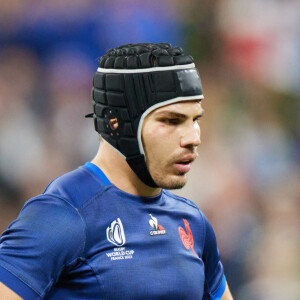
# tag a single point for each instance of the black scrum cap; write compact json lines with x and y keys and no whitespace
{"x":132,"y":80}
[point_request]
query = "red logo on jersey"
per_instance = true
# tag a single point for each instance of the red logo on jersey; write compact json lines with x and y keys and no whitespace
{"x":187,"y":237}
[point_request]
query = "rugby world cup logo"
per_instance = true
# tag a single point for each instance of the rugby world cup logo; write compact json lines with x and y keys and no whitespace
{"x":115,"y":233}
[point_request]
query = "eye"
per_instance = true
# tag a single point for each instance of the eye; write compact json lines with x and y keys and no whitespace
{"x":198,"y":117}
{"x":171,"y":121}
{"x":197,"y":120}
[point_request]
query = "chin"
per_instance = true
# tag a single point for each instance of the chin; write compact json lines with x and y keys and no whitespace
{"x":173,"y":182}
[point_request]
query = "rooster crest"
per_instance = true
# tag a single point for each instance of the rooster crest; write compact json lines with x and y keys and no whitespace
{"x":153,"y":222}
{"x":187,"y":237}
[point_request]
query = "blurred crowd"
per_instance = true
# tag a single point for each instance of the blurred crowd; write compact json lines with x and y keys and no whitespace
{"x":246,"y":179}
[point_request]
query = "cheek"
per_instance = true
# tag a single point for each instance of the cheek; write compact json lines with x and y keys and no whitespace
{"x":162,"y":138}
{"x":162,"y":131}
{"x":158,"y":129}
{"x":154,"y":135}
{"x":158,"y":139}
{"x":154,"y":139}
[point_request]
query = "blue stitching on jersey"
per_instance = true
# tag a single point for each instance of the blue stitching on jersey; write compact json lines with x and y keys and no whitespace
{"x":40,"y":197}
{"x":204,"y":231}
{"x":219,"y":285}
{"x":14,"y":273}
{"x":84,"y":260}
{"x":181,"y":199}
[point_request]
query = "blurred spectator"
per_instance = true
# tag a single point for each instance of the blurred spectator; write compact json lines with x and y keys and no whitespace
{"x":262,"y":39}
{"x":21,"y":143}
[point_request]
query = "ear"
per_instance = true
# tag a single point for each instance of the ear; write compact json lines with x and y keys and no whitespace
{"x":113,"y":122}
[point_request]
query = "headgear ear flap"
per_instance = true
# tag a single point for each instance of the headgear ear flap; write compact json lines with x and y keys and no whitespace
{"x":133,"y":80}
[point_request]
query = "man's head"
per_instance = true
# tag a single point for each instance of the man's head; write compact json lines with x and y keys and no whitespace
{"x":132,"y":83}
{"x":171,"y":135}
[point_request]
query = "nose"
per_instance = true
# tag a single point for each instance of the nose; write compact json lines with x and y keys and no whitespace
{"x":191,"y":136}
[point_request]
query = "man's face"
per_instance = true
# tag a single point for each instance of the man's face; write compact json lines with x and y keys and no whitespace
{"x":171,"y":135}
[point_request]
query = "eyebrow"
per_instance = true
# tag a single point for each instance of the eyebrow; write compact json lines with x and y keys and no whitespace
{"x":172,"y":114}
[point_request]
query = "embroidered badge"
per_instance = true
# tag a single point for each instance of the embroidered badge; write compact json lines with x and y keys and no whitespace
{"x":115,"y":233}
{"x":187,"y":237}
{"x":158,"y":229}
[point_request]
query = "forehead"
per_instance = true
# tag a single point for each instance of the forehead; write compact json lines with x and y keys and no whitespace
{"x":185,"y":107}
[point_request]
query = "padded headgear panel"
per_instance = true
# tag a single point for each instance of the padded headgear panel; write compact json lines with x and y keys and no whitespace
{"x":131,"y":81}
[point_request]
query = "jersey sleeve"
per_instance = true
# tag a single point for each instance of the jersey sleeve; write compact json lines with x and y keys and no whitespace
{"x":48,"y":234}
{"x":215,"y":282}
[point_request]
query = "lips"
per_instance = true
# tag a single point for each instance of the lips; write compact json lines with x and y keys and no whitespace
{"x":183,"y":165}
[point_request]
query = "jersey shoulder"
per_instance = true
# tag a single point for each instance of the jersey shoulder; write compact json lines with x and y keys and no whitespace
{"x":183,"y":200}
{"x":76,"y":187}
{"x":188,"y":206}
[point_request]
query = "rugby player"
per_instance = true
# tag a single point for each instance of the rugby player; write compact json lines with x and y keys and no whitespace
{"x":111,"y":229}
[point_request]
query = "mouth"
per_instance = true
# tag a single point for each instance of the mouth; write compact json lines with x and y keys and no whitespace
{"x":184,"y":165}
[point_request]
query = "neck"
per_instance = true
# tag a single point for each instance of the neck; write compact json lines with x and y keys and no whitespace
{"x":119,"y":173}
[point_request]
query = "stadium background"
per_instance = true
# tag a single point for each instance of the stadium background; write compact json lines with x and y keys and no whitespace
{"x":247,"y":176}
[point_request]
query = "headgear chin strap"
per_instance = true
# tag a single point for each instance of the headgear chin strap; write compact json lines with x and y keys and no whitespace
{"x":133,"y":80}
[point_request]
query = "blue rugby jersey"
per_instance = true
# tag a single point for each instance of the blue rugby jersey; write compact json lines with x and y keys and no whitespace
{"x":84,"y":238}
